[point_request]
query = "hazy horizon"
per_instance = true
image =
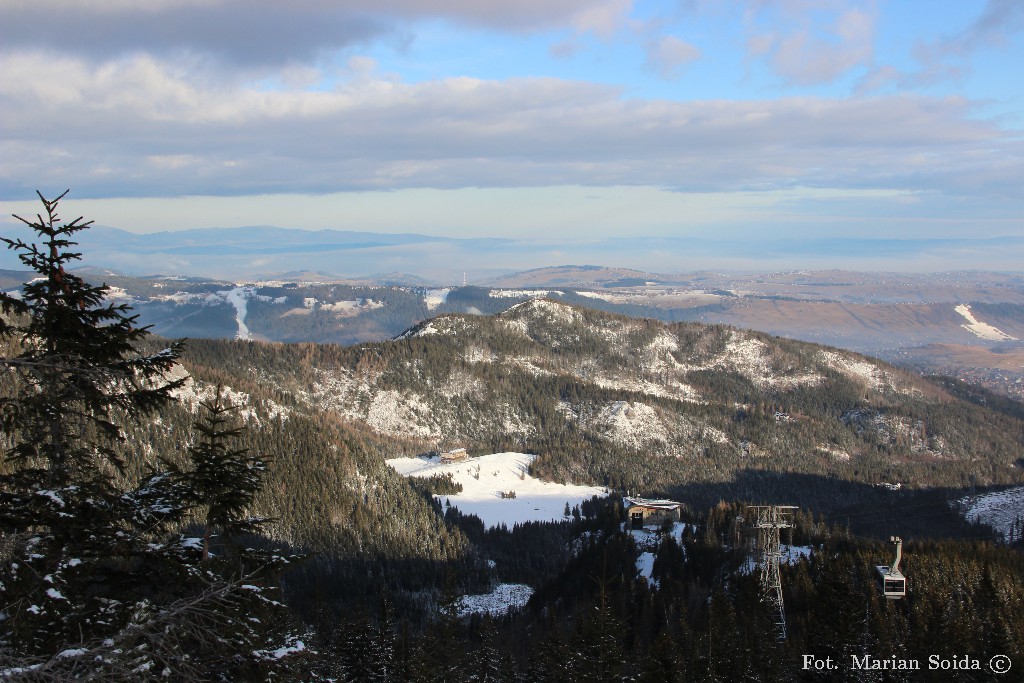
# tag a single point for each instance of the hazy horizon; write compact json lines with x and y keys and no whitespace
{"x":249,"y":252}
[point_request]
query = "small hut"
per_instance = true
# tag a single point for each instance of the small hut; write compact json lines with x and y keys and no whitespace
{"x":641,"y":512}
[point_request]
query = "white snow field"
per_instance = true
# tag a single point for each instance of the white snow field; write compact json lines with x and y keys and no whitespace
{"x":503,"y":598}
{"x":483,"y":480}
{"x":999,"y":509}
{"x":980,"y":329}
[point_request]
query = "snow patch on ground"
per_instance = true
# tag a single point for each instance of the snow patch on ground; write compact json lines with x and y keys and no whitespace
{"x":631,"y":424}
{"x":478,"y":354}
{"x":674,"y":389}
{"x":531,"y":366}
{"x":542,"y":308}
{"x":1000,"y":509}
{"x":501,"y":600}
{"x":443,"y":325}
{"x":980,"y":329}
{"x":237,"y":298}
{"x":516,"y":293}
{"x":391,"y":412}
{"x":433,"y":298}
{"x":750,"y":357}
{"x":857,"y":369}
{"x":603,"y":296}
{"x":115,"y":294}
{"x":192,"y":394}
{"x":834,"y":453}
{"x":462,"y":384}
{"x":351,"y":308}
{"x":645,"y":567}
{"x":484,"y":479}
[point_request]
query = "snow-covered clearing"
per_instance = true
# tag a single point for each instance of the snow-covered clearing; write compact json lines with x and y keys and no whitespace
{"x":613,"y":298}
{"x":484,"y":479}
{"x":117,"y":294}
{"x":631,"y":424}
{"x":645,"y":566}
{"x":443,"y":325}
{"x":435,"y":297}
{"x":980,"y":329}
{"x":352,"y":307}
{"x":391,"y":412}
{"x":869,"y":374}
{"x":750,"y":358}
{"x":515,"y":293}
{"x":999,"y":509}
{"x":237,"y":298}
{"x":505,"y":597}
{"x":834,"y":453}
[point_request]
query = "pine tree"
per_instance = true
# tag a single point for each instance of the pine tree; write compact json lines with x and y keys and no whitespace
{"x":73,"y":534}
{"x":223,"y":480}
{"x":98,"y":587}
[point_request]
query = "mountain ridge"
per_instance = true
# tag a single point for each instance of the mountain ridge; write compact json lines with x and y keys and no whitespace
{"x":638,"y":404}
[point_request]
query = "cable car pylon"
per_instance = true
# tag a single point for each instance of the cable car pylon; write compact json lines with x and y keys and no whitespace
{"x":768,"y":519}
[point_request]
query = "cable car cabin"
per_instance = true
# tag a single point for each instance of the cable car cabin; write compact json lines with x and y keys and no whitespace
{"x":893,"y":584}
{"x":890,"y":579}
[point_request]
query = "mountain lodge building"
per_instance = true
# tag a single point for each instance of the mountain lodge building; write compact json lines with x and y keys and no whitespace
{"x":641,"y":512}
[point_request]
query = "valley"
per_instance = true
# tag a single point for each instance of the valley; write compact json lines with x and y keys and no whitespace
{"x":565,"y":400}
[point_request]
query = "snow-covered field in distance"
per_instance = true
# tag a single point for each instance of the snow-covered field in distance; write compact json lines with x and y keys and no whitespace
{"x":999,"y":509}
{"x":483,"y":480}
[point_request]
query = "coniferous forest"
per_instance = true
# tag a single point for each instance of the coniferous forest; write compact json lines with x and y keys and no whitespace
{"x":219,"y":510}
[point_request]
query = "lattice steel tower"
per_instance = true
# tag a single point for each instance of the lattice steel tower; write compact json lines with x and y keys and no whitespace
{"x":768,"y":519}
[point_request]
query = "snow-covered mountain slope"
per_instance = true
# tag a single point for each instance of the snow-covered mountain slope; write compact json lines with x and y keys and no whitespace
{"x":1001,"y":510}
{"x":498,"y":488}
{"x":685,"y":401}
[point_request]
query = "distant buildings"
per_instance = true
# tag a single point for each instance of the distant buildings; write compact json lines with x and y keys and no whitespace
{"x":454,"y":455}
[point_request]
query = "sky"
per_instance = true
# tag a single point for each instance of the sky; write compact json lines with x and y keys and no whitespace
{"x":575,"y":120}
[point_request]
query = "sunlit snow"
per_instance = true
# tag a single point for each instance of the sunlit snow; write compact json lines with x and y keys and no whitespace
{"x":645,"y":566}
{"x":237,"y":298}
{"x":499,"y":601}
{"x":485,"y":478}
{"x":980,"y":329}
{"x":999,"y":509}
{"x":435,"y":297}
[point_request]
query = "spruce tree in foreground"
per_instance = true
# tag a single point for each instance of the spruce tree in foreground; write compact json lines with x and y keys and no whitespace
{"x":223,"y":481}
{"x":93,"y":584}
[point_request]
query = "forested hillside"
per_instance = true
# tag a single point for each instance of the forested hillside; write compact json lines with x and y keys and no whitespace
{"x":230,"y":499}
{"x":638,"y":404}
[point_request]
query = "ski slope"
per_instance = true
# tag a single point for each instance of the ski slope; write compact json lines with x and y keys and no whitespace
{"x":486,"y":477}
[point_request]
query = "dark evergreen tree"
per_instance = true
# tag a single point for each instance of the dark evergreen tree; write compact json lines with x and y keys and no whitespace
{"x":96,"y":586}
{"x":223,"y":481}
{"x":73,"y":534}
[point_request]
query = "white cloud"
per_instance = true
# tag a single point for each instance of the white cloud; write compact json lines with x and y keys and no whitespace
{"x":810,"y":42}
{"x":141,"y":126}
{"x":669,"y":54}
{"x":264,"y":32}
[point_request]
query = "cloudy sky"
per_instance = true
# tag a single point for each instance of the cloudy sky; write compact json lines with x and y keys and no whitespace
{"x":527,"y":119}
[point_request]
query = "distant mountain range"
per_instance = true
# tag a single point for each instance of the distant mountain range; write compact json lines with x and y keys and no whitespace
{"x":265,"y":251}
{"x":966,"y":324}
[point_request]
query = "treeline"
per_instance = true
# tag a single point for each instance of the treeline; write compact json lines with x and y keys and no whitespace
{"x":700,"y":616}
